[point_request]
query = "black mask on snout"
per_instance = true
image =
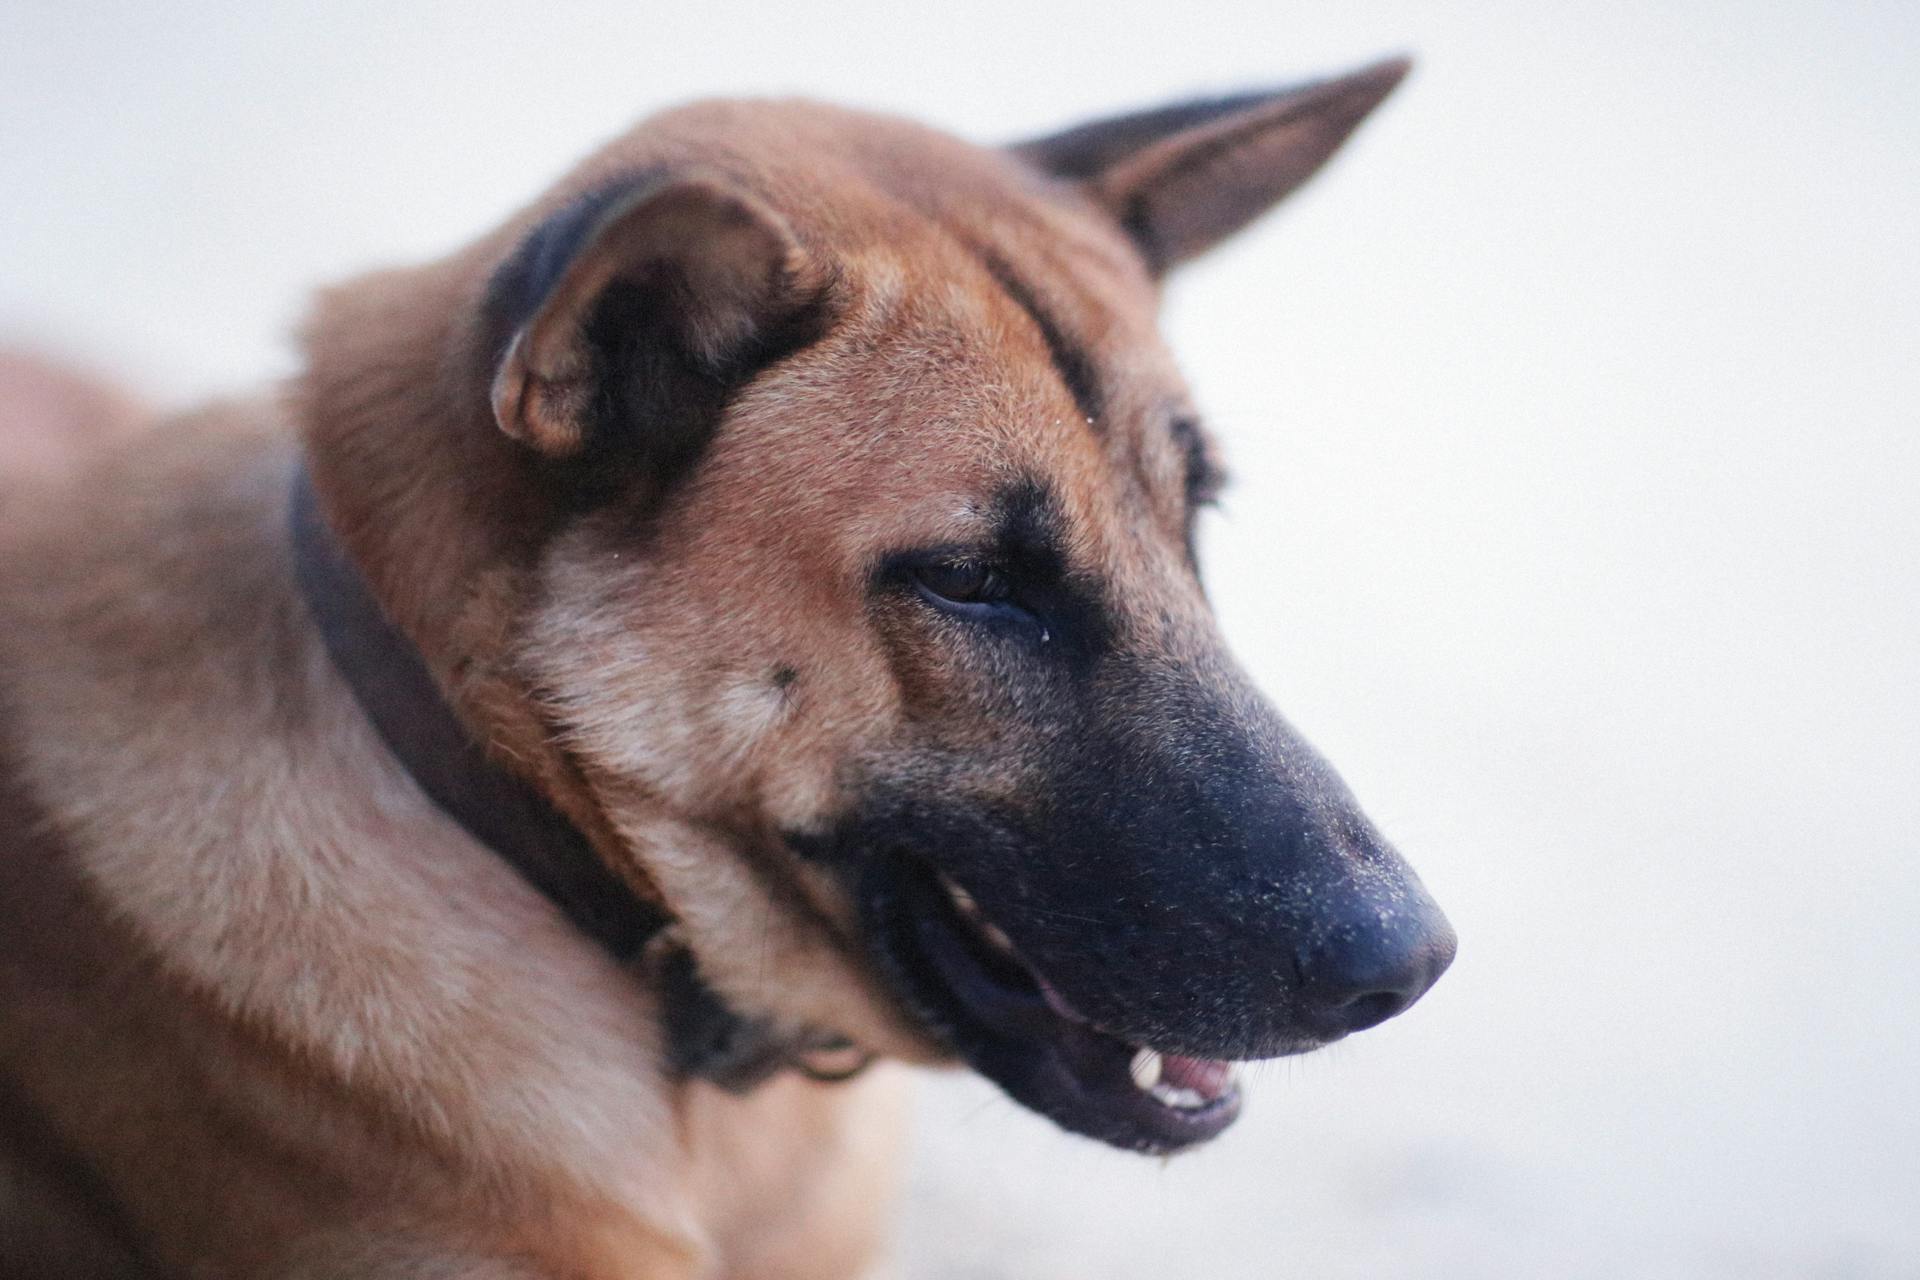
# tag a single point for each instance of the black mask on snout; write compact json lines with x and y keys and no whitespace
{"x":1180,"y":867}
{"x":1194,"y":876}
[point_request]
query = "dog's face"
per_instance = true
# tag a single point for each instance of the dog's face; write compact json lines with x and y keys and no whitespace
{"x":876,"y":627}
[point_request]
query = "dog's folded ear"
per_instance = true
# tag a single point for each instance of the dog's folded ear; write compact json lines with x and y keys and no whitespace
{"x":1181,"y":178}
{"x":624,"y":320}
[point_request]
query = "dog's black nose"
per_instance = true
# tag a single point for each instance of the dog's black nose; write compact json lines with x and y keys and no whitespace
{"x":1375,"y":965}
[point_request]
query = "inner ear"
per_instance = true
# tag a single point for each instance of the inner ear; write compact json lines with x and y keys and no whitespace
{"x":624,"y":321}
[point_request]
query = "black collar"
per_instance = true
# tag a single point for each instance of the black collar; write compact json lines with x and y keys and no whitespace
{"x":509,"y":815}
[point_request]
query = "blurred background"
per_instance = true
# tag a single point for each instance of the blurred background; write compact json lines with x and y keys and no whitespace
{"x":1576,"y":419}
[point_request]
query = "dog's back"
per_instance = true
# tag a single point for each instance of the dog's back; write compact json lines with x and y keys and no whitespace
{"x":53,"y":417}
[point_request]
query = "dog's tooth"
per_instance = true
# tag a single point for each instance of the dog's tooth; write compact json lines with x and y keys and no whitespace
{"x":997,"y":936}
{"x":962,"y":899}
{"x":1145,"y":1070}
{"x":1179,"y":1099}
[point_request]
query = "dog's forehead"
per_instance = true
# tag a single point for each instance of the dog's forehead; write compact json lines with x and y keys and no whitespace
{"x":994,"y":326}
{"x":951,"y":377}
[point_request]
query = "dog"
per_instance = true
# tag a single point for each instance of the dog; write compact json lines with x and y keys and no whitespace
{"x":509,"y":803}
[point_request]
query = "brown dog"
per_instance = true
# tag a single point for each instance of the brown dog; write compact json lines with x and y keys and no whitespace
{"x":476,"y":812}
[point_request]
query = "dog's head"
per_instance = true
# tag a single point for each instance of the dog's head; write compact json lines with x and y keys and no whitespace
{"x":849,"y":582}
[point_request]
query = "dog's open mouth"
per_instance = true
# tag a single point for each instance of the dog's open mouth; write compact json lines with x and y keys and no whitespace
{"x":966,"y":980}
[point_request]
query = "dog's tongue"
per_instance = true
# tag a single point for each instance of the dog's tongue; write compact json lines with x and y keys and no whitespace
{"x":1208,"y":1077}
{"x":1211,"y":1078}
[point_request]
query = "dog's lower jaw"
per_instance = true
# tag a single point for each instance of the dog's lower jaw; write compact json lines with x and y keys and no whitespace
{"x":965,"y":983}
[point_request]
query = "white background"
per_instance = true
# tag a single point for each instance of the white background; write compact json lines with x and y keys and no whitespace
{"x":1577,"y":428}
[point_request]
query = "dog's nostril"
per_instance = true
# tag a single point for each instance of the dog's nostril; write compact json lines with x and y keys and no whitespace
{"x":1360,"y":977}
{"x":1370,"y":1009}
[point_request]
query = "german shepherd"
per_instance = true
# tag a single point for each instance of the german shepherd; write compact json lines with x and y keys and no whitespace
{"x":476,"y":811}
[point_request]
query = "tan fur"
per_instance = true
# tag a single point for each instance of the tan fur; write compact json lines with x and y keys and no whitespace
{"x":264,"y":1010}
{"x":53,"y":416}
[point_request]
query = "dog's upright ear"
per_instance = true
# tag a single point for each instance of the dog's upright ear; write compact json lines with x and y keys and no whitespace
{"x":623,"y":321}
{"x":1179,"y":179}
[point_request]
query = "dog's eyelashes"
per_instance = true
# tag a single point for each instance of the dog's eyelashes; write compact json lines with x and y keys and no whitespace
{"x":1006,"y":600}
{"x":963,"y":582}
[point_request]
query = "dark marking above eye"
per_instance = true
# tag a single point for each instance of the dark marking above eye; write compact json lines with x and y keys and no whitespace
{"x":1070,"y":360}
{"x":1027,"y":526}
{"x":784,"y":676}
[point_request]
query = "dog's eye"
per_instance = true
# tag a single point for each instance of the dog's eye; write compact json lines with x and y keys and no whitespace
{"x":963,"y":581}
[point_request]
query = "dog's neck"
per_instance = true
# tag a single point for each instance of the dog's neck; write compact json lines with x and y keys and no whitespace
{"x":510,"y":816}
